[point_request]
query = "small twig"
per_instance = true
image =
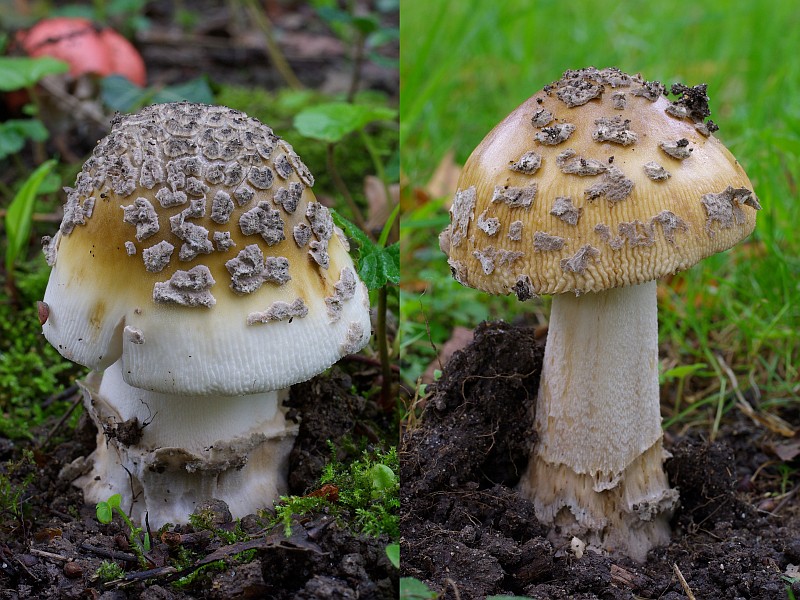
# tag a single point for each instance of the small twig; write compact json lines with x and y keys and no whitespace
{"x":63,"y":419}
{"x":112,"y":554}
{"x":785,"y":500}
{"x":149,"y":534}
{"x":25,"y":568}
{"x":682,"y":580}
{"x":452,"y":583}
{"x":173,"y":538}
{"x":60,"y":514}
{"x":430,"y":335}
{"x":50,"y":555}
{"x":341,"y":187}
{"x":149,"y":574}
{"x":134,"y":493}
{"x":273,"y":50}
{"x":770,"y":421}
{"x":62,"y":395}
{"x":71,"y":105}
{"x":731,"y":375}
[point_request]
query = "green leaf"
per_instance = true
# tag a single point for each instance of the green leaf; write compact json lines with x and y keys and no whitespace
{"x":20,"y":213}
{"x":337,"y":17}
{"x":23,"y":72}
{"x":366,"y":24}
{"x":332,"y":15}
{"x":15,"y":132}
{"x":125,"y":8}
{"x":376,"y":265}
{"x":351,"y":230}
{"x":114,"y":501}
{"x":379,"y":266}
{"x":385,"y":6}
{"x":194,"y":90}
{"x":393,"y":552}
{"x":683,"y":371}
{"x":104,"y":512}
{"x":383,"y":36}
{"x":414,"y":589}
{"x":84,"y":12}
{"x":383,"y":478}
{"x":290,"y":102}
{"x":119,"y":93}
{"x":333,"y":121}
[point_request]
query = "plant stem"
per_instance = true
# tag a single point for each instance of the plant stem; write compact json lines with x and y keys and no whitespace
{"x":275,"y":55}
{"x":11,"y":288}
{"x":358,"y":60}
{"x":341,"y":187}
{"x":387,"y":227}
{"x":138,"y":548}
{"x":380,"y":171}
{"x":678,"y":396}
{"x":383,"y":348}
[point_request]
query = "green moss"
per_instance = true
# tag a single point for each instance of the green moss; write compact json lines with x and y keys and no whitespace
{"x":109,"y":571}
{"x":201,"y":577}
{"x":204,"y":520}
{"x":368,"y":489}
{"x":31,"y":370}
{"x":11,"y":494}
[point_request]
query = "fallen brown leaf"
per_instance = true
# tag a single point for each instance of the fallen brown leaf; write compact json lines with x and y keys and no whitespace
{"x":444,"y":181}
{"x":772,"y":422}
{"x":379,"y":206}
{"x":787,"y":450}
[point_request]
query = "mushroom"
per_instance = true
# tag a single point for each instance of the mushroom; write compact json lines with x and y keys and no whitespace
{"x":177,"y":278}
{"x":86,"y":47}
{"x":597,"y":239}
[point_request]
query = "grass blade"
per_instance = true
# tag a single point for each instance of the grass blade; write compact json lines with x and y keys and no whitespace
{"x":20,"y":213}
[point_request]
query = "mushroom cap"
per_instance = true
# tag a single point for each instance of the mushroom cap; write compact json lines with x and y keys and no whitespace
{"x":85,"y":47}
{"x":193,"y":249}
{"x":597,"y":181}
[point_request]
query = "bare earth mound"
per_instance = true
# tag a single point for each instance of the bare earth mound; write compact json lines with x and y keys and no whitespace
{"x":468,"y":534}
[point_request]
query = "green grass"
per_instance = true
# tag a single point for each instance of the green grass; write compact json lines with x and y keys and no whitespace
{"x":466,"y":64}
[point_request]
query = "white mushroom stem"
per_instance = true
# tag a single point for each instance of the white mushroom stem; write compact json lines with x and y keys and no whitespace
{"x":597,"y":468}
{"x":192,"y":448}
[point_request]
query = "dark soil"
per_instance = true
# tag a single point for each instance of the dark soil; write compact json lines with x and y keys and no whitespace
{"x":467,"y":534}
{"x":55,"y":550}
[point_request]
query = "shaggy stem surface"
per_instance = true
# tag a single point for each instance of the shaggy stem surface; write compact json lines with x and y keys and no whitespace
{"x":597,"y":469}
{"x":165,"y":454}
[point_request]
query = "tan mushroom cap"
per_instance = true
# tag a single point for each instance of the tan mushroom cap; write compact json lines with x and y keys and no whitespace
{"x":193,"y":248}
{"x":597,"y":181}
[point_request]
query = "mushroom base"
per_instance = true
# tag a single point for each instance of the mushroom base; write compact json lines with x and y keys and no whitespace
{"x":166,"y":454}
{"x":628,"y":519}
{"x":597,"y":468}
